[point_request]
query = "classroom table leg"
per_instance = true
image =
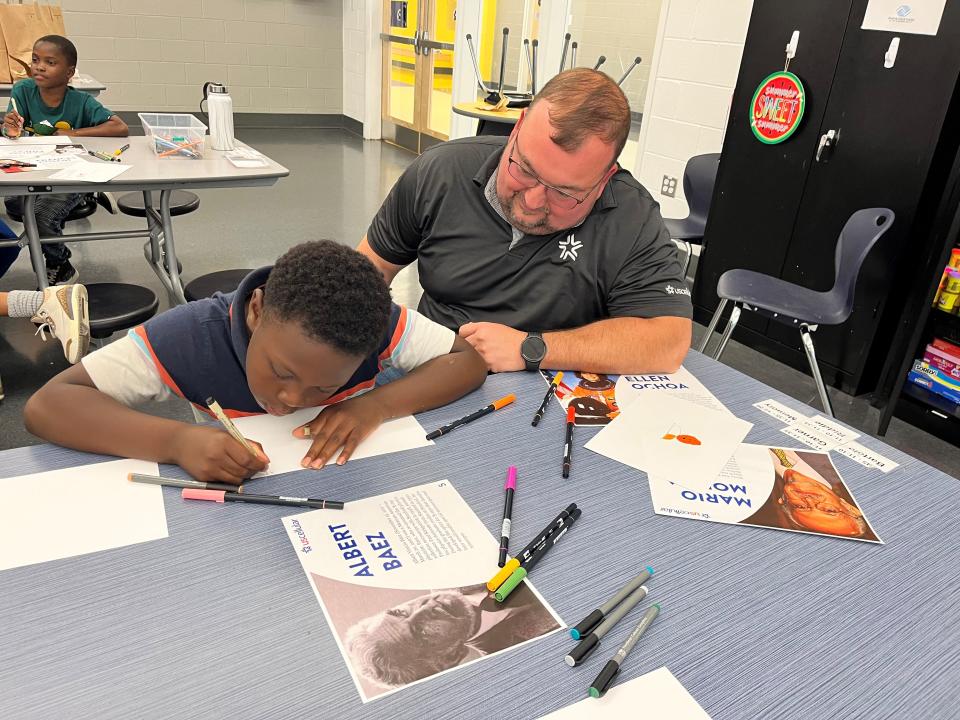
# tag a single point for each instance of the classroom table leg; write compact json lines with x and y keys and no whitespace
{"x":161,"y":254}
{"x":33,"y":239}
{"x":173,"y":270}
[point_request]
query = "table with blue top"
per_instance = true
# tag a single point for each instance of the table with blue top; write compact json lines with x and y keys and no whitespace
{"x":219,"y":621}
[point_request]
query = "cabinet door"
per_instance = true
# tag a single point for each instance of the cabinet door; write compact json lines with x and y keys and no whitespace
{"x":890,"y":122}
{"x":759,"y":187}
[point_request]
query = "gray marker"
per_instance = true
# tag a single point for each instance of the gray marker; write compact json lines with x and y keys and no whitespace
{"x":608,"y":675}
{"x":594,"y":618}
{"x":176,"y":482}
{"x":586,"y":646}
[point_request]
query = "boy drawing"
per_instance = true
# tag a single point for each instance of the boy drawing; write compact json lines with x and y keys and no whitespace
{"x":315,"y":329}
{"x":44,"y":104}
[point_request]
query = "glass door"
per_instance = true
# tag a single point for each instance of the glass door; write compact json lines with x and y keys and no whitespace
{"x":417,"y":86}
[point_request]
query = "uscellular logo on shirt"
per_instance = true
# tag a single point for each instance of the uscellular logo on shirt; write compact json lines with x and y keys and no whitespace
{"x":569,"y":247}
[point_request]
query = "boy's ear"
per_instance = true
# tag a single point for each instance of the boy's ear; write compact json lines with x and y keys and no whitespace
{"x":255,"y":309}
{"x":71,"y":72}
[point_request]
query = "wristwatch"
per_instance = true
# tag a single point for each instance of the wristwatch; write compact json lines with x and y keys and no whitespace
{"x":533,"y":350}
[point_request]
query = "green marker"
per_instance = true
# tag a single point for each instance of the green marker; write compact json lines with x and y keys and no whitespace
{"x":521,"y":572}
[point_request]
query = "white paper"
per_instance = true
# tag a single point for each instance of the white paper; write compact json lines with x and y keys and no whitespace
{"x":94,"y":172}
{"x":682,"y":384}
{"x":673,"y":438}
{"x":779,"y":411}
{"x":658,"y":695}
{"x":820,"y":433}
{"x":37,"y":140}
{"x":390,"y":562}
{"x":921,"y":17}
{"x":286,"y":451}
{"x":246,"y":157}
{"x":78,"y":510}
{"x":867,"y":457}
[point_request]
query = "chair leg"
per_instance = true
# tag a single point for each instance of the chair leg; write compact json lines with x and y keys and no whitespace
{"x":1,"y":389}
{"x":728,"y":330}
{"x":815,"y":369}
{"x":713,"y":325}
{"x":688,"y":248}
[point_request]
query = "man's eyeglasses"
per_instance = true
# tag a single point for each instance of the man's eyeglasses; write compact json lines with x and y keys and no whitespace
{"x":555,"y":196}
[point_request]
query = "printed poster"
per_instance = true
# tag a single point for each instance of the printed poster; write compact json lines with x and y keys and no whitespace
{"x":772,"y":487}
{"x":592,"y":395}
{"x":401,"y":579}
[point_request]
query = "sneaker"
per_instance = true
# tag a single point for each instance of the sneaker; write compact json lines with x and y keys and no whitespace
{"x":62,"y":274}
{"x":109,"y":202}
{"x":65,"y":316}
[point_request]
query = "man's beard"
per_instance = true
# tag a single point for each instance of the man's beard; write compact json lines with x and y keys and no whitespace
{"x":541,"y":227}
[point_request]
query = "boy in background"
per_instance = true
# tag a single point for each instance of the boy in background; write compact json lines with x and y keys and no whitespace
{"x":44,"y":104}
{"x":315,"y":329}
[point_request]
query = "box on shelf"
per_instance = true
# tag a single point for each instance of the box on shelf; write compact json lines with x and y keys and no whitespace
{"x":934,"y":380}
{"x":948,"y":347}
{"x":175,"y":134}
{"x":943,"y":361}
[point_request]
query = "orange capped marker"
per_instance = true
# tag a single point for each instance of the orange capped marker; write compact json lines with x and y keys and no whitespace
{"x":502,"y":402}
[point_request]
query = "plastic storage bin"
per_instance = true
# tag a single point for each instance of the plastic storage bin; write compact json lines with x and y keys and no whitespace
{"x":175,"y":134}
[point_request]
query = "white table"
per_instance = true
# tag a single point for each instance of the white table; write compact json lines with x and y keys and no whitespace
{"x":148,"y":174}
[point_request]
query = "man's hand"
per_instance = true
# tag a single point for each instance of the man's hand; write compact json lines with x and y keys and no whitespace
{"x":498,"y":345}
{"x":345,"y":424}
{"x":12,"y":124}
{"x":212,"y":455}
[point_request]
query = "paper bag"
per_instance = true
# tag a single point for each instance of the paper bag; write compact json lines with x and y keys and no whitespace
{"x":21,"y":26}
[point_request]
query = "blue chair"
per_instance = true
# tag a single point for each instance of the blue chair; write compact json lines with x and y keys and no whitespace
{"x":699,"y":177}
{"x":795,"y":305}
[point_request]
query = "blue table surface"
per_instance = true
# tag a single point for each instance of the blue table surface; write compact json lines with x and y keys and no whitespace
{"x":218,"y":620}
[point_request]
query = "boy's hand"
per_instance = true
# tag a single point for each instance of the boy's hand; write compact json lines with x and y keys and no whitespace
{"x":345,"y":424}
{"x":12,"y":124}
{"x":211,"y":455}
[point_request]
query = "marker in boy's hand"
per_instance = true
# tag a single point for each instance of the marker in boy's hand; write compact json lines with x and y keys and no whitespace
{"x":12,"y":124}
{"x":210,"y":454}
{"x":345,"y":424}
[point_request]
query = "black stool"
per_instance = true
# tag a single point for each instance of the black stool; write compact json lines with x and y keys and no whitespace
{"x":86,"y":208}
{"x":118,"y":306}
{"x":221,"y":281}
{"x":181,"y":203}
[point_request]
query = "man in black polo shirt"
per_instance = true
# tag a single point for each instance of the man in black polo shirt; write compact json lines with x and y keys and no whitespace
{"x":538,"y":249}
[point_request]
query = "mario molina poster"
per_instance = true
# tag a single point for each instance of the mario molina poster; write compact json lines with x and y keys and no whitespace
{"x":401,"y":579}
{"x":771,"y":487}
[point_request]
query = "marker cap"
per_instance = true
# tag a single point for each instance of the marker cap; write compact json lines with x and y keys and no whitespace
{"x":558,"y":377}
{"x":195,"y":494}
{"x":599,"y":687}
{"x":571,"y":414}
{"x":511,"y":483}
{"x":509,"y":584}
{"x":582,"y":651}
{"x":504,"y":401}
{"x":505,"y":572}
{"x":586,"y":625}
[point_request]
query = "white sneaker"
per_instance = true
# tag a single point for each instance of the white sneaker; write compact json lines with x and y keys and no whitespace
{"x":65,"y":315}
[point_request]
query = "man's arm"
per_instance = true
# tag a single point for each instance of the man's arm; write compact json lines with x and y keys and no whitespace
{"x":387,"y":269}
{"x":624,"y":345}
{"x":114,"y":127}
{"x":434,"y":383}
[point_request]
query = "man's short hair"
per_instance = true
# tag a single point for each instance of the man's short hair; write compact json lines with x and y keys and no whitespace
{"x":585,"y":102}
{"x":335,"y":294}
{"x":66,"y":48}
{"x":388,"y":662}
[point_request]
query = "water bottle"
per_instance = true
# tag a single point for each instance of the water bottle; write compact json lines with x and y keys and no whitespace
{"x":220,"y":111}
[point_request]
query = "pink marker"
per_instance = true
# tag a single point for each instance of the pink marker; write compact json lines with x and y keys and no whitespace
{"x":224,"y":496}
{"x":510,"y":486}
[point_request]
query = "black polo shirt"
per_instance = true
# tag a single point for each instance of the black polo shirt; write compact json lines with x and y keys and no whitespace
{"x":620,"y":262}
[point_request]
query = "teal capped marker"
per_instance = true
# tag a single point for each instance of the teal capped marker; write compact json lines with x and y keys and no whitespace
{"x":596,"y":617}
{"x":608,"y":675}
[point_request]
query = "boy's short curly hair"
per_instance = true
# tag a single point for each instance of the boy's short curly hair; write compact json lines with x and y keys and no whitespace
{"x":334,"y":293}
{"x":66,"y":48}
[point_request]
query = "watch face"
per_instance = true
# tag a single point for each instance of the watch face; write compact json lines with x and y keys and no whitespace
{"x":533,"y":349}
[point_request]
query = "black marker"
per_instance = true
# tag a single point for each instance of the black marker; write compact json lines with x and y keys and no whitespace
{"x":551,"y":391}
{"x":607,"y":676}
{"x":568,"y":445}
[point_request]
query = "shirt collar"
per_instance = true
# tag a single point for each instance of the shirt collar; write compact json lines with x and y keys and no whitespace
{"x":239,"y":333}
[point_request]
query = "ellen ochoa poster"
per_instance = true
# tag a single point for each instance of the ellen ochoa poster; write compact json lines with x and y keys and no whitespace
{"x":592,"y":395}
{"x":796,"y":490}
{"x":401,"y":579}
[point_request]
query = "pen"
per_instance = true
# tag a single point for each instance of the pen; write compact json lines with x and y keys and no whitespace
{"x":229,"y":426}
{"x":546,"y":398}
{"x":509,"y":486}
{"x":608,"y":675}
{"x":594,"y":618}
{"x":13,"y":101}
{"x":502,"y":402}
{"x":568,"y":445}
{"x":175,"y":482}
{"x":589,"y":643}
{"x":525,"y":554}
{"x":121,"y":150}
{"x":521,"y":572}
{"x":223,"y":496}
{"x":102,"y":156}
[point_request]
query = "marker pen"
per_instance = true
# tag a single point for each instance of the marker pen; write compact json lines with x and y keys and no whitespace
{"x":551,"y":391}
{"x":521,"y":572}
{"x":525,"y":554}
{"x":221,"y":496}
{"x":176,"y":482}
{"x":590,"y":642}
{"x":509,"y":486}
{"x":607,"y":676}
{"x":593,"y":619}
{"x":568,"y":445}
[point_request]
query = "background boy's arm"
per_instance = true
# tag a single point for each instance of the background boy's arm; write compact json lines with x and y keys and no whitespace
{"x":435,"y":383}
{"x":114,"y":127}
{"x":69,"y":410}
